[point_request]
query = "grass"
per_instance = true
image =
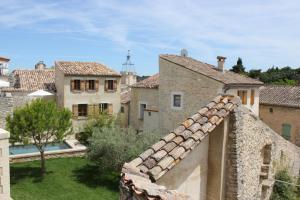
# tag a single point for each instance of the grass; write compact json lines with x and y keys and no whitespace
{"x":66,"y":178}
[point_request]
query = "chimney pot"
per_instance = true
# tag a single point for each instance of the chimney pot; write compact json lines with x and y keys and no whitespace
{"x":221,"y":61}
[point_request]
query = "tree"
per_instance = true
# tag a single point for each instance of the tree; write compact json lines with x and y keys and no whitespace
{"x":282,"y":190}
{"x":254,"y":73}
{"x":40,"y":122}
{"x":111,"y":147}
{"x":238,"y":68}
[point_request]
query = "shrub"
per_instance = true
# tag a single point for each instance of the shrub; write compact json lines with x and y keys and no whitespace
{"x":101,"y":121}
{"x":283,"y":191}
{"x":111,"y":147}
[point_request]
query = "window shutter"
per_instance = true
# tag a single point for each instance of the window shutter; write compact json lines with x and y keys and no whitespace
{"x":82,"y":85}
{"x":97,"y":85}
{"x":90,"y":110}
{"x":72,"y":85}
{"x":75,"y":111}
{"x":110,"y":109}
{"x":252,"y":97}
{"x":106,"y":85}
{"x":286,"y":131}
{"x":245,"y":97}
{"x":115,"y":84}
{"x":87,"y":85}
{"x":96,"y":109}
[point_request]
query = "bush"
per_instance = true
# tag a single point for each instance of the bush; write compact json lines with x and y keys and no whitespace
{"x":111,"y":147}
{"x":283,"y":191}
{"x":101,"y":121}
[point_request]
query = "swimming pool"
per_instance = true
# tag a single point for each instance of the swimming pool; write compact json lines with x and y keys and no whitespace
{"x":31,"y":148}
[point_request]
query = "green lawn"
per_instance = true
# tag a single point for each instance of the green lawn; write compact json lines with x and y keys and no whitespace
{"x":66,"y":178}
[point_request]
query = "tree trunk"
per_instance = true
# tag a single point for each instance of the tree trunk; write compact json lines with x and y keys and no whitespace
{"x":43,"y":166}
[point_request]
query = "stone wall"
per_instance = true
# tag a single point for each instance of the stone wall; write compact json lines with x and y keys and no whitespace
{"x":4,"y":166}
{"x":256,"y":152}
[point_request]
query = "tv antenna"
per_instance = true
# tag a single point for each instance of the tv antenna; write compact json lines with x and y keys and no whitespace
{"x":128,"y":66}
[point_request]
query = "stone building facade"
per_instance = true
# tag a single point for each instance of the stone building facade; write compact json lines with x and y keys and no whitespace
{"x":224,"y":151}
{"x":280,"y":109}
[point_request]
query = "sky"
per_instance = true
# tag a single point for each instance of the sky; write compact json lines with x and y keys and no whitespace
{"x":262,"y":33}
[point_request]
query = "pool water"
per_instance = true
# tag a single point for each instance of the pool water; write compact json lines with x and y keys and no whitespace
{"x":31,"y":148}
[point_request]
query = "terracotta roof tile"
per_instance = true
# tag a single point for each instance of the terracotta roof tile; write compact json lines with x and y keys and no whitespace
{"x":169,"y":151}
{"x":280,"y":95}
{"x":85,"y":68}
{"x":150,"y":82}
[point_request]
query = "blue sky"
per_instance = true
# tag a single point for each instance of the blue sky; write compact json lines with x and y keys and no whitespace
{"x":262,"y":33}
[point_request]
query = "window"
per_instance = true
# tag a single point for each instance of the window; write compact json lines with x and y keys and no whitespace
{"x":177,"y":100}
{"x":76,"y":84}
{"x":91,"y":85}
{"x":286,"y":131}
{"x":243,"y":95}
{"x":122,"y":109}
{"x":103,"y":107}
{"x":252,"y":97}
{"x":271,"y":110}
{"x":142,"y":110}
{"x":149,"y":113}
{"x":109,"y":84}
{"x":82,"y":110}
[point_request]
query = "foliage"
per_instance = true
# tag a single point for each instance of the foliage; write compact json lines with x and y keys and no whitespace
{"x":41,"y":122}
{"x":100,"y":121}
{"x":67,"y":178}
{"x":283,"y":191}
{"x":238,"y":68}
{"x":111,"y":147}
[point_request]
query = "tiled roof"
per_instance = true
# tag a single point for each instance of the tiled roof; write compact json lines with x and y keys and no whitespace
{"x":226,"y":77}
{"x":151,"y":82}
{"x":85,"y":68}
{"x":175,"y":146}
{"x":32,"y":80}
{"x":4,"y":58}
{"x":280,"y":95}
{"x":125,"y":96}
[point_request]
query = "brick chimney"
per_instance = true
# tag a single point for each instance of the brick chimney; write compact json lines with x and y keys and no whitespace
{"x":221,"y":61}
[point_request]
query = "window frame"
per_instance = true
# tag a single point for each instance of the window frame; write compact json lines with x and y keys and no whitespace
{"x":93,"y":83}
{"x":173,"y":94}
{"x":76,"y":83}
{"x":244,"y":94}
{"x":102,"y":109}
{"x":140,"y":115}
{"x":285,"y":135}
{"x":82,"y":113}
{"x":108,"y":84}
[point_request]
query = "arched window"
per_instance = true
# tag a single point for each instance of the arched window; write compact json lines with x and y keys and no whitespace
{"x":286,"y":131}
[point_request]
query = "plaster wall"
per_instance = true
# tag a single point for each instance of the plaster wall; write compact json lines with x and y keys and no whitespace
{"x":151,"y":121}
{"x":4,"y":166}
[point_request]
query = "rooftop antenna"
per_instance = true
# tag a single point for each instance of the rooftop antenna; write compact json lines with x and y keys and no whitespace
{"x":128,"y":66}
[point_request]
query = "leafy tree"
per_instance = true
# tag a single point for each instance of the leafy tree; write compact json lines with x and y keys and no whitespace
{"x":40,"y":122}
{"x":100,"y":121}
{"x":238,"y":68}
{"x":281,"y":190}
{"x":110,"y":147}
{"x":254,"y":73}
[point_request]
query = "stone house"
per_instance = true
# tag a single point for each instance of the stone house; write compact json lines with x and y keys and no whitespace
{"x":125,"y":108}
{"x":279,"y":107}
{"x":87,"y":88}
{"x":143,"y":99}
{"x":223,"y":151}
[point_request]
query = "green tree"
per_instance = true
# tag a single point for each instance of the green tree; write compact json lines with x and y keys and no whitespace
{"x":111,"y":147}
{"x":40,"y":122}
{"x":238,"y":68}
{"x":254,"y":73}
{"x":282,"y":190}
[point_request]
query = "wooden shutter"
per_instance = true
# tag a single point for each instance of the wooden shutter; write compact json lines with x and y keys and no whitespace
{"x":110,"y":109}
{"x":82,"y":85}
{"x":75,"y":111}
{"x":106,"y":85}
{"x":97,"y":85}
{"x":252,"y":97}
{"x":87,"y":85}
{"x":96,"y":110}
{"x":286,"y":131}
{"x":245,"y":97}
{"x":115,"y":85}
{"x":91,"y":110}
{"x":72,"y":85}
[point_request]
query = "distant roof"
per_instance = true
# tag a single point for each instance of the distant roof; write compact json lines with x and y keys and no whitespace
{"x":151,"y":82}
{"x":4,"y":83}
{"x":280,"y":95}
{"x":125,"y":96}
{"x":32,"y":80}
{"x":226,"y":77}
{"x":85,"y":68}
{"x":4,"y":58}
{"x":175,"y":146}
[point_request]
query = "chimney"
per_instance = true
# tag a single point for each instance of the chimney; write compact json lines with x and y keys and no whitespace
{"x":221,"y":61}
{"x":40,"y":65}
{"x":184,"y":52}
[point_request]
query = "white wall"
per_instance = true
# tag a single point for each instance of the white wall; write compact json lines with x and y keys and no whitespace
{"x":4,"y":166}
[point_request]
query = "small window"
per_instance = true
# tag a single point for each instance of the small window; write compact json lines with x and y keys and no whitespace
{"x":286,"y":131}
{"x":122,"y":109}
{"x":82,"y":110}
{"x":271,"y":110}
{"x":76,"y":84}
{"x":177,"y":100}
{"x":142,"y":110}
{"x":110,"y":84}
{"x":103,"y":107}
{"x":243,"y":95}
{"x":91,"y":84}
{"x":149,"y":113}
